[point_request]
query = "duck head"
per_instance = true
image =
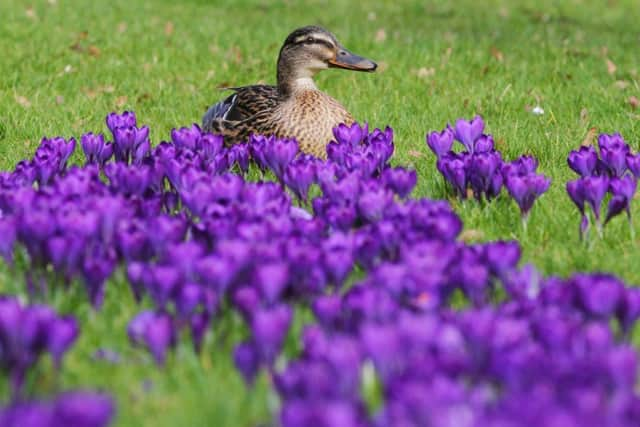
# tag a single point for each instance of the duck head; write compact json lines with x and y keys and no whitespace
{"x":308,"y":50}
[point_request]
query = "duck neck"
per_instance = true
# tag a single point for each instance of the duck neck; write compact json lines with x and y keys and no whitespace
{"x":292,"y":79}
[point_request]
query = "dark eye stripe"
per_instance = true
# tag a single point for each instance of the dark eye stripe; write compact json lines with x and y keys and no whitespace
{"x":316,"y":41}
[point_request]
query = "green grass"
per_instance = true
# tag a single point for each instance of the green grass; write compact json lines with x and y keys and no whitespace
{"x":67,"y":63}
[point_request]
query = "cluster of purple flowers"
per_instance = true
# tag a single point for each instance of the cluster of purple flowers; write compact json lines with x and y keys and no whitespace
{"x":77,"y":409}
{"x":615,"y":171}
{"x":27,"y":332}
{"x":545,"y":356}
{"x":480,"y":167}
{"x":197,"y":237}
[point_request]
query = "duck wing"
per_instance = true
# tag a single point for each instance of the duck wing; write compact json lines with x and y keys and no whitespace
{"x":245,"y":102}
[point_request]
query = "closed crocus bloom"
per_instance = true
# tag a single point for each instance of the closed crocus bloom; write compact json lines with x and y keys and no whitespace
{"x":279,"y":154}
{"x":595,"y":188}
{"x":124,"y":139}
{"x":373,"y":202}
{"x":130,"y":141}
{"x":622,"y":189}
{"x":614,"y":157}
{"x":9,"y":233}
{"x":633,"y":164}
{"x":271,"y":279}
{"x":199,"y":323}
{"x":299,"y":176}
{"x":63,"y":332}
{"x":441,"y":142}
{"x":453,"y":169}
{"x":609,"y":140}
{"x":338,"y":256}
{"x":187,"y":137}
{"x":211,"y":145}
{"x":583,"y":161}
{"x":575,"y":190}
{"x":400,"y":180}
{"x":155,"y":331}
{"x":484,"y":144}
{"x":480,"y":171}
{"x":269,"y":328}
{"x":350,"y":135}
{"x":328,"y":310}
{"x":126,"y":119}
{"x":247,"y":361}
{"x":628,"y":311}
{"x":600,"y":294}
{"x":526,"y":189}
{"x":502,"y":256}
{"x":94,"y":147}
{"x":240,"y":155}
{"x":468,"y":132}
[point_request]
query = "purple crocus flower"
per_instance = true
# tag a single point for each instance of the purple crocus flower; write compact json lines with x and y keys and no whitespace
{"x":211,"y":145}
{"x":299,"y":176}
{"x":502,"y":257}
{"x":614,"y":157}
{"x":62,"y":334}
{"x":633,"y":164}
{"x":595,"y":188}
{"x":484,"y":144}
{"x":351,"y":135}
{"x":187,"y":137}
{"x":453,"y":168}
{"x":270,"y":327}
{"x":523,"y":165}
{"x":575,"y":190}
{"x":610,"y":140}
{"x":278,"y":154}
{"x":240,"y":155}
{"x":9,"y":233}
{"x":400,"y":180}
{"x":622,"y":189}
{"x":155,"y":331}
{"x":600,"y":294}
{"x":271,"y":279}
{"x":482,"y":168}
{"x":126,"y":119}
{"x":247,"y":361}
{"x":468,"y":132}
{"x":583,"y":161}
{"x":526,"y":189}
{"x":441,"y":142}
{"x":129,"y":142}
{"x":95,"y":149}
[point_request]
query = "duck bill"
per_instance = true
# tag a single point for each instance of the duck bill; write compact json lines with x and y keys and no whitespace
{"x":350,"y":61}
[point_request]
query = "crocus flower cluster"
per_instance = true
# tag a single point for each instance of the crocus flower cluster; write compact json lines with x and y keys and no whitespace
{"x":197,"y":238}
{"x":480,"y":168}
{"x":378,"y":358}
{"x":612,"y":169}
{"x":77,"y":409}
{"x":27,"y":333}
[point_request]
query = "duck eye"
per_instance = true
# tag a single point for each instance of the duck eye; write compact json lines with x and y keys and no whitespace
{"x":309,"y":40}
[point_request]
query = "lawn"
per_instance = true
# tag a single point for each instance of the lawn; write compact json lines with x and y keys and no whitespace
{"x":66,"y":64}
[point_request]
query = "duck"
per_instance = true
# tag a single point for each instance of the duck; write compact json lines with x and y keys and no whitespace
{"x":294,"y":107}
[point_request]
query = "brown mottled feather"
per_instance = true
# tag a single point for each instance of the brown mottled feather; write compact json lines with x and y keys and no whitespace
{"x":250,"y":100}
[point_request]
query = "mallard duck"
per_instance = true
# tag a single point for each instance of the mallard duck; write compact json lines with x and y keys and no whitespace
{"x":295,"y":108}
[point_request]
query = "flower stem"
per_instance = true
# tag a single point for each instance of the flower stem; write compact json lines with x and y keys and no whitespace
{"x":599,"y":228}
